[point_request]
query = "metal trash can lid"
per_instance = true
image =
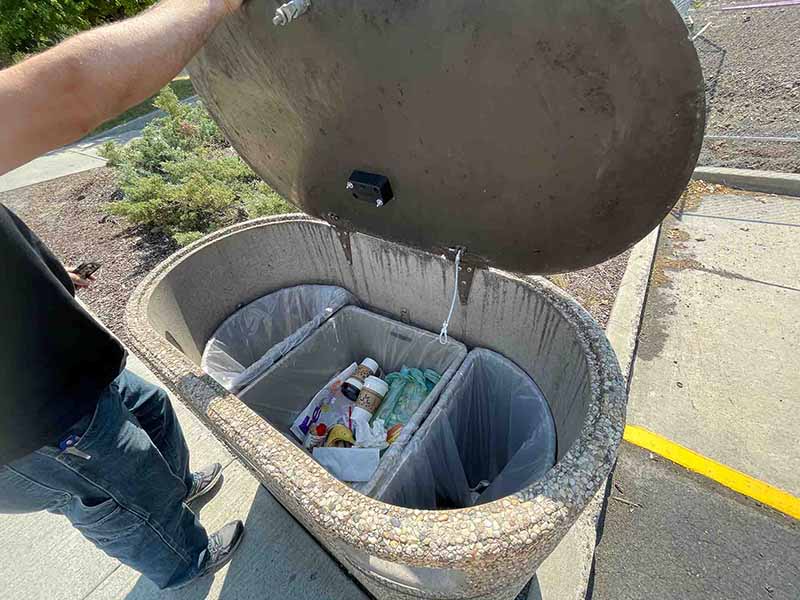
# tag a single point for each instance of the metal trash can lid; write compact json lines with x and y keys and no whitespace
{"x":541,"y":136}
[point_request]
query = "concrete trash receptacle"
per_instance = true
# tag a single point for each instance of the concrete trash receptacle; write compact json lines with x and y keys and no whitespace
{"x":436,"y":147}
{"x":486,"y":551}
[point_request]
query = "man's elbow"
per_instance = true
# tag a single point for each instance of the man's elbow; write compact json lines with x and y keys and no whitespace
{"x":77,"y":93}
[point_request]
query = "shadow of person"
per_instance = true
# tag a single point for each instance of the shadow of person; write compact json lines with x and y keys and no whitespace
{"x":278,"y":558}
{"x":282,"y":560}
{"x":147,"y":590}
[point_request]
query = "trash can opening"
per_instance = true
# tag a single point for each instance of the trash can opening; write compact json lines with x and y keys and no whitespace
{"x":284,"y":391}
{"x":257,"y":335}
{"x":491,"y":435}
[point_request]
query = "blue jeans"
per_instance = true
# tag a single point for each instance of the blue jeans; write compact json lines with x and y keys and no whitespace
{"x":127,"y":497}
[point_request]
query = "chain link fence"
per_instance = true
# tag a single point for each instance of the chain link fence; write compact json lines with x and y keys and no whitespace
{"x":749,"y":59}
{"x":683,"y":7}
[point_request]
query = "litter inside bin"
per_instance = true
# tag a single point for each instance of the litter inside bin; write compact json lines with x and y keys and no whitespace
{"x":256,"y":336}
{"x":333,"y":421}
{"x":407,"y":391}
{"x":490,"y":435}
{"x":328,"y":407}
{"x":314,"y":369}
{"x":355,"y":465}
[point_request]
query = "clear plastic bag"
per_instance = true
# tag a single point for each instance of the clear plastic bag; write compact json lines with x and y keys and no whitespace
{"x":328,"y":407}
{"x":255,"y":337}
{"x":490,"y":435}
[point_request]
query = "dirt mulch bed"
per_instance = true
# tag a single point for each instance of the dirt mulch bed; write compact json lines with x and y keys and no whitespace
{"x":70,"y":215}
{"x":595,"y":288}
{"x":750,"y":65}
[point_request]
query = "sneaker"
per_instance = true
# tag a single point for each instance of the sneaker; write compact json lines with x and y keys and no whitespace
{"x":203,"y":481}
{"x":221,"y":546}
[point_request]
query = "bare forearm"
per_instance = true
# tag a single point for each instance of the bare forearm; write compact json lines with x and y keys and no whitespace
{"x":62,"y":94}
{"x":128,"y":62}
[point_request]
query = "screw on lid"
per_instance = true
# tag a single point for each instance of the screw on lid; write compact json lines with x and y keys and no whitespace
{"x":377,"y":385}
{"x":371,"y":364}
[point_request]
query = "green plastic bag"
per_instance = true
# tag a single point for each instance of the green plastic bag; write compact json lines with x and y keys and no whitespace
{"x":408,"y":389}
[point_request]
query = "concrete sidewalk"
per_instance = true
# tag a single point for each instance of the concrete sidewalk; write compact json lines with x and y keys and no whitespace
{"x":717,"y":370}
{"x":44,"y":557}
{"x":80,"y":156}
{"x":717,"y":367}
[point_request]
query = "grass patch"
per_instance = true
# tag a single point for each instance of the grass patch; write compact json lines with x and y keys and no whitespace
{"x":182,"y":87}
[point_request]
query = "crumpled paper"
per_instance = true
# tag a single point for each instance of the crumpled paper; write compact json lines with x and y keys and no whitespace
{"x":349,"y":464}
{"x":370,"y":437}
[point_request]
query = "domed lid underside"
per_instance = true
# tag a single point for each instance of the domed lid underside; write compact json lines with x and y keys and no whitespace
{"x":541,"y":136}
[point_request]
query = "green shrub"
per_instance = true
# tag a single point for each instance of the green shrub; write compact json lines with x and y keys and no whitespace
{"x":182,"y":178}
{"x":28,"y":26}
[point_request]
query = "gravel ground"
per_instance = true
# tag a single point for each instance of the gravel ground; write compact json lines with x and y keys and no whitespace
{"x":752,"y":74}
{"x":69,"y":214}
{"x":595,"y":288}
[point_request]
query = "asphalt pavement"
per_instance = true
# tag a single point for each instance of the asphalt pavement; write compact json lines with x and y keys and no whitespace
{"x":671,"y":534}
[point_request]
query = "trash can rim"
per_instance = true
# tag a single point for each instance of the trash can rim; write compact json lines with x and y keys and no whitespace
{"x":544,"y":510}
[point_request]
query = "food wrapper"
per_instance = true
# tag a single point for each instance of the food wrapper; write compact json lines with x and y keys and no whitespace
{"x":328,"y":407}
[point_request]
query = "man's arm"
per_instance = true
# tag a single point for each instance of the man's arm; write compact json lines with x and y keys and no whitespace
{"x":62,"y":94}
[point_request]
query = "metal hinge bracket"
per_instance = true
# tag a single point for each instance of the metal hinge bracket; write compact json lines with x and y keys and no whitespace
{"x":342,"y":229}
{"x":466,"y":272}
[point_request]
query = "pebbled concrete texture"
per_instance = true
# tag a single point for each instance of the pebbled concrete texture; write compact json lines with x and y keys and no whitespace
{"x":718,"y":362}
{"x":565,"y":574}
{"x":528,"y":320}
{"x":672,"y":534}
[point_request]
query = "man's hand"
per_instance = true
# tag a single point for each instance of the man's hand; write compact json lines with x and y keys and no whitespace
{"x":62,"y":94}
{"x":79,"y":282}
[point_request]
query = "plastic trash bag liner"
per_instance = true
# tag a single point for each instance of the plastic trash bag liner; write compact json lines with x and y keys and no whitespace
{"x":490,"y":435}
{"x":255,"y":337}
{"x":284,"y":391}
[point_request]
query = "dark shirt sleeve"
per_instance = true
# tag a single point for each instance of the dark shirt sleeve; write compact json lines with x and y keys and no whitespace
{"x":51,"y":262}
{"x":55,"y":358}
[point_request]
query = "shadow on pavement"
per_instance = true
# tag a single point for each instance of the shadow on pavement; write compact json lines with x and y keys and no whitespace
{"x":277,"y":559}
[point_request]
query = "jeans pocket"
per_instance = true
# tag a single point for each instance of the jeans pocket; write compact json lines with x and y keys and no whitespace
{"x":105,"y":522}
{"x":99,"y":430}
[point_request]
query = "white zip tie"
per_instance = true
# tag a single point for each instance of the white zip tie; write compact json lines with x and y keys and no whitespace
{"x":443,"y":335}
{"x":701,"y":32}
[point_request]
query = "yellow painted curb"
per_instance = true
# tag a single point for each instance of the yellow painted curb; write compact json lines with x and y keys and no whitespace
{"x":731,"y":478}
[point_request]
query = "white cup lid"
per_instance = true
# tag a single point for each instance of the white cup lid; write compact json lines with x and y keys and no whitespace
{"x":377,"y":385}
{"x":371,"y":365}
